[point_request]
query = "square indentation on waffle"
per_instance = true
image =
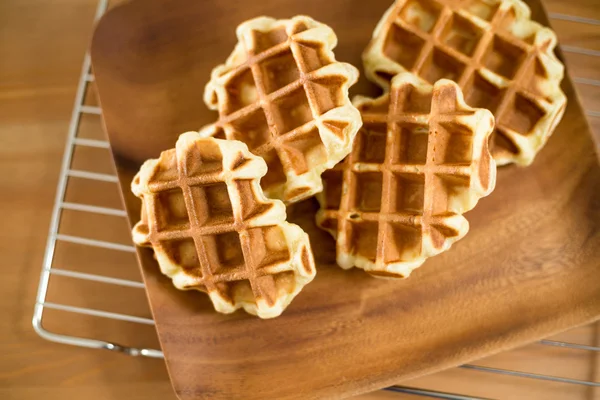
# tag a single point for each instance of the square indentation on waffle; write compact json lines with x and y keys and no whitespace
{"x":455,"y":144}
{"x":412,"y":143}
{"x":449,"y":187}
{"x":326,"y":94}
{"x":439,"y":64}
{"x":407,"y":194}
{"x":367,"y":191}
{"x":363,"y":238}
{"x":208,"y":161}
{"x":263,"y":41}
{"x":524,"y":114}
{"x":253,"y":129}
{"x":241,"y":91}
{"x":183,"y":252}
{"x":481,"y":93}
{"x":370,"y":143}
{"x":410,"y":101}
{"x":403,"y":46}
{"x":279,"y":71}
{"x":461,"y":35}
{"x":305,"y":151}
{"x":171,"y":210}
{"x":291,"y":112}
{"x":333,"y":181}
{"x":421,"y":14}
{"x":275,"y":169}
{"x":534,"y":79}
{"x":504,"y":58}
{"x":166,"y":172}
{"x":212,"y":204}
{"x":312,"y":56}
{"x":404,"y":242}
{"x":269,"y":246}
{"x":483,"y":9}
{"x":224,"y":254}
{"x":248,"y":204}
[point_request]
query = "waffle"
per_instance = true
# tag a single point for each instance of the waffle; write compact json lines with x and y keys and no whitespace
{"x":212,"y":229}
{"x":419,"y":162}
{"x":283,"y":94}
{"x":501,"y":59}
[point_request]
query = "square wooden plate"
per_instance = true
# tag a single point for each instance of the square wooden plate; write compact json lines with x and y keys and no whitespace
{"x":529,"y":267}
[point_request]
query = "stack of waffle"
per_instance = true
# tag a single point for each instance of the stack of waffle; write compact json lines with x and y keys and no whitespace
{"x":501,"y":59}
{"x":467,"y":84}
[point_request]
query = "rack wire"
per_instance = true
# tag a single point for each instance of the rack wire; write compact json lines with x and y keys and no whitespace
{"x":54,"y":237}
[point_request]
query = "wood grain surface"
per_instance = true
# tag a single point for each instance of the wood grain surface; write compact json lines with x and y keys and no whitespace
{"x":527,"y":269}
{"x":37,"y":87}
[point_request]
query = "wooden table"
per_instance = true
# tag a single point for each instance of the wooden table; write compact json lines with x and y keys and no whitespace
{"x":41,"y":48}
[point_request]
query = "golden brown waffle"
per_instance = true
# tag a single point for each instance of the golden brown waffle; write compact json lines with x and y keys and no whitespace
{"x":212,"y":229}
{"x":501,"y":59}
{"x":420,"y":160}
{"x":283,"y":94}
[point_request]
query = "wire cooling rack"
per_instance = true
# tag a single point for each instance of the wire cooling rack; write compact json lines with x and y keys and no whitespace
{"x":49,"y":270}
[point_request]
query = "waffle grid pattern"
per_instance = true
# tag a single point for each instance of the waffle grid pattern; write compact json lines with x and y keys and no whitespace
{"x":416,"y":166}
{"x":213,"y":230}
{"x":284,"y":95}
{"x":488,"y":48}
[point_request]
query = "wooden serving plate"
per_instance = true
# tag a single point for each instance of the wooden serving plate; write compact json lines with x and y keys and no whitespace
{"x":529,"y":267}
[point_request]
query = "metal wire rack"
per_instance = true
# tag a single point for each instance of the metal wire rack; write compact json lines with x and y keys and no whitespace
{"x":54,"y":237}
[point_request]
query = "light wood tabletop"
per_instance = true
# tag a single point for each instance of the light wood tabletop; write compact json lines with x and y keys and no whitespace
{"x":42,"y":45}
